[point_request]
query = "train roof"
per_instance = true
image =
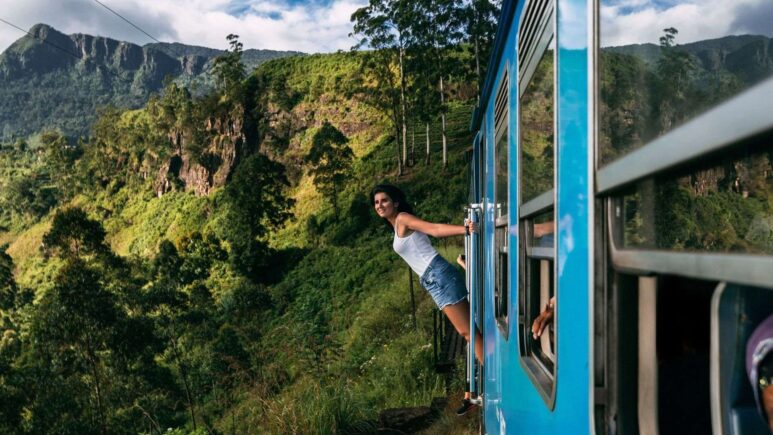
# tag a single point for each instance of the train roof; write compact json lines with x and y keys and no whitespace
{"x":503,"y":28}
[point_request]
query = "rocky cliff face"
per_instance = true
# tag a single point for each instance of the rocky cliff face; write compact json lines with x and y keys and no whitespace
{"x":225,"y":149}
{"x":48,"y":50}
{"x":49,"y":80}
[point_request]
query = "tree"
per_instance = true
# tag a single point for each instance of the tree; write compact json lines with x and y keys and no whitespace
{"x":383,"y":26}
{"x":228,"y":69}
{"x":255,"y":202}
{"x":79,"y":314}
{"x":73,"y":234}
{"x":439,"y":28}
{"x":7,"y":284}
{"x":672,"y":85}
{"x":32,"y":195}
{"x":330,"y":158}
{"x":481,"y":25}
{"x":59,"y":160}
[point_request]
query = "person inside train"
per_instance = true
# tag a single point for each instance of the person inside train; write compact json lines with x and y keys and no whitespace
{"x":443,"y":282}
{"x":759,"y":368}
{"x":543,"y":236}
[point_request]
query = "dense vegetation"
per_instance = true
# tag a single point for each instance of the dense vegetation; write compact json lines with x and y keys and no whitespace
{"x":270,"y":302}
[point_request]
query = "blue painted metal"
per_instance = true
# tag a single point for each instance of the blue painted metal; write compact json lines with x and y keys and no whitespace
{"x":512,"y":403}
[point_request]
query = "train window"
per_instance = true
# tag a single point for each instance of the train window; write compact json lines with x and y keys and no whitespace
{"x":723,"y":204}
{"x":685,"y":158}
{"x":661,"y":65}
{"x":501,"y":192}
{"x":537,"y":129}
{"x":536,"y":213}
{"x":539,"y":285}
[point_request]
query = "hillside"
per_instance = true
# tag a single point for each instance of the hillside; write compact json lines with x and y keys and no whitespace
{"x":239,"y":305}
{"x":748,"y":56}
{"x":60,"y":83}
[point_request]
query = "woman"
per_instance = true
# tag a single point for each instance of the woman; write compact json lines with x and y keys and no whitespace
{"x":443,"y":282}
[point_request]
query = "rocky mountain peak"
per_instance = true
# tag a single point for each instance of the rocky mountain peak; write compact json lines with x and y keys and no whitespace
{"x":52,"y":80}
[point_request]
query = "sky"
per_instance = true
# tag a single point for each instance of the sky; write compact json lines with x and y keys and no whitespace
{"x":638,"y":21}
{"x":312,"y":26}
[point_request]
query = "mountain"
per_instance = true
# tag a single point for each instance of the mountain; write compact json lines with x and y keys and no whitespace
{"x":750,"y":57}
{"x":52,"y":80}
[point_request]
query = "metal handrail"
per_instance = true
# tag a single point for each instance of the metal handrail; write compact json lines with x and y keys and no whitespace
{"x":471,"y":254}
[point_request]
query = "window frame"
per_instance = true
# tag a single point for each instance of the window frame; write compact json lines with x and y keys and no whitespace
{"x":540,"y":15}
{"x":502,"y":275}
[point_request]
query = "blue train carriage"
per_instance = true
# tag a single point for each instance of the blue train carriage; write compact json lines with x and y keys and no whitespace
{"x":622,"y":169}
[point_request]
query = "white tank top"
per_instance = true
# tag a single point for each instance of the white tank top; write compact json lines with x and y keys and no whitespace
{"x":416,"y":250}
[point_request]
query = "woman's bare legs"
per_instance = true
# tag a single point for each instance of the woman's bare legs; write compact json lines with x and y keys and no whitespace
{"x":459,"y":315}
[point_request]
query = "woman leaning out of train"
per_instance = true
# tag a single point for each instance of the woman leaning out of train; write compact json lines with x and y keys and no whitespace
{"x":444,"y":282}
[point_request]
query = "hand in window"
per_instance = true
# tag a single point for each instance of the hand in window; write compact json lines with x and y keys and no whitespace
{"x":544,"y":319}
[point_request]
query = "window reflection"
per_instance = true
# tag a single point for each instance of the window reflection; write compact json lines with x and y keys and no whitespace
{"x":724,"y":206}
{"x":664,"y":63}
{"x":537,"y":130}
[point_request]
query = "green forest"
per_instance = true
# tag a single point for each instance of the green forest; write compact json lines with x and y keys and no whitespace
{"x":211,"y":263}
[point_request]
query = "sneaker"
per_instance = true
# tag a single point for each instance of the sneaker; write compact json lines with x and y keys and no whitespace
{"x":466,"y":406}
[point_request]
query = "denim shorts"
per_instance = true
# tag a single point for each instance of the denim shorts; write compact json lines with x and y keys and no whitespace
{"x":444,"y":283}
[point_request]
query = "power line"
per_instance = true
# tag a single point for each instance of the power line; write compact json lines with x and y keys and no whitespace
{"x":135,"y":26}
{"x":130,"y":23}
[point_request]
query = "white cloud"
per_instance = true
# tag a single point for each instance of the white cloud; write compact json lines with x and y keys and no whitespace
{"x":637,"y":21}
{"x":312,"y":27}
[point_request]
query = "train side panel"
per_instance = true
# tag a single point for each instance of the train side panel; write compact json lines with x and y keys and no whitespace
{"x":512,"y":404}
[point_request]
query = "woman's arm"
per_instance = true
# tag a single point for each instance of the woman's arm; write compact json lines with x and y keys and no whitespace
{"x":435,"y":230}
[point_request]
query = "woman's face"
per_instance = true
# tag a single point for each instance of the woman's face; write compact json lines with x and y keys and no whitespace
{"x":384,"y":206}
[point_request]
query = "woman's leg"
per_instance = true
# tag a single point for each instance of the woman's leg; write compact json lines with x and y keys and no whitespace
{"x":459,"y":315}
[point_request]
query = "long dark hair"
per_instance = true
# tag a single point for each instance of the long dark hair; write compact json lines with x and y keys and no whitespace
{"x":396,"y":195}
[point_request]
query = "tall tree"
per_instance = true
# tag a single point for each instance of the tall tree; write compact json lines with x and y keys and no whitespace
{"x":229,"y":70}
{"x":256,"y":203}
{"x":439,"y":28}
{"x":7,"y":283}
{"x":481,"y":25}
{"x":673,"y":86}
{"x":330,"y":158}
{"x":59,"y":160}
{"x":383,"y":27}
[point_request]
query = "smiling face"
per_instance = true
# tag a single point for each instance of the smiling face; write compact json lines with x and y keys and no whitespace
{"x":384,"y":205}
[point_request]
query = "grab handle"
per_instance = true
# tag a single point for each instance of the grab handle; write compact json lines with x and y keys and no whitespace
{"x":471,"y":248}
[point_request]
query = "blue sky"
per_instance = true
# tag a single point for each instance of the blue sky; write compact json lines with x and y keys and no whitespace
{"x":309,"y":26}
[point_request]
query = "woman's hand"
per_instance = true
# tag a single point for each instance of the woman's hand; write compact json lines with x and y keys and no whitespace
{"x":461,"y":260}
{"x":543,"y":320}
{"x":469,"y":226}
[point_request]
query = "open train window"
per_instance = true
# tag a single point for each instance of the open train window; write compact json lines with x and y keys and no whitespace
{"x":536,"y":211}
{"x":685,"y":179}
{"x":703,"y":232}
{"x":501,"y":193}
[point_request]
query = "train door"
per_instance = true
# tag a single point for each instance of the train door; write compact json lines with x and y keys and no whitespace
{"x":685,"y":215}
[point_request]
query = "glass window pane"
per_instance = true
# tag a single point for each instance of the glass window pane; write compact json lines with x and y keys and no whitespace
{"x":663,"y":63}
{"x":537,"y":120}
{"x":722,"y":206}
{"x":501,"y":172}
